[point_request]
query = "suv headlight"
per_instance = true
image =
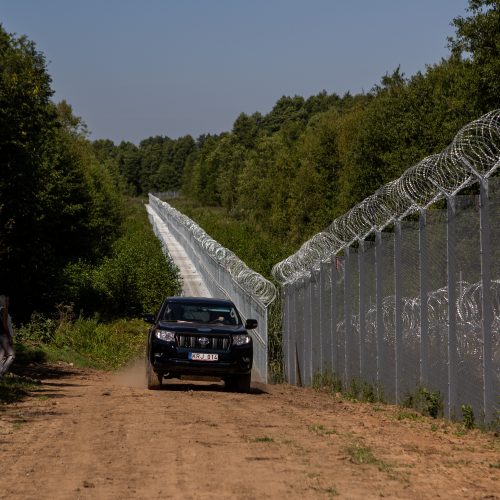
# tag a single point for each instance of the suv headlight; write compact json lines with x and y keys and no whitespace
{"x":241,"y":339}
{"x":165,"y":335}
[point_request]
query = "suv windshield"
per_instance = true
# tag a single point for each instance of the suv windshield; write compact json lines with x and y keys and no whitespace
{"x":201,"y":313}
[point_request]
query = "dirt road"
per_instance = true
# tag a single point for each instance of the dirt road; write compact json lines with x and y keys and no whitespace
{"x":89,"y":434}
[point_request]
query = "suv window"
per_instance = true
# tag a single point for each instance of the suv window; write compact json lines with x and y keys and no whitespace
{"x":201,"y":313}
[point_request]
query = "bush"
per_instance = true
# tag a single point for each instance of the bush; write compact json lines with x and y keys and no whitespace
{"x":83,"y":341}
{"x":427,"y":402}
{"x":134,"y":279}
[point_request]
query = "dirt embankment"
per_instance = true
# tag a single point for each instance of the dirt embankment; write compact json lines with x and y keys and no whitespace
{"x":89,"y":434}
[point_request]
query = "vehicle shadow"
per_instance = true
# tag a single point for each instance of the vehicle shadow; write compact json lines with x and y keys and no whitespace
{"x":179,"y":385}
{"x":44,"y":371}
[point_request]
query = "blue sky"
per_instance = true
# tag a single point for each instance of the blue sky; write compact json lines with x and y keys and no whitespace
{"x":133,"y":69}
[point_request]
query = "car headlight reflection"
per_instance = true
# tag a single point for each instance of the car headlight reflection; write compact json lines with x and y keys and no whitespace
{"x":241,"y":339}
{"x":165,"y":335}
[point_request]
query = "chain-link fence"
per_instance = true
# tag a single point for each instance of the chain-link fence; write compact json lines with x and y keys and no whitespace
{"x":403,"y":291}
{"x":225,"y":275}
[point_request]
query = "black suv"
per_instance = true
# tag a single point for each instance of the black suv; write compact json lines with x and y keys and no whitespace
{"x":199,"y":336}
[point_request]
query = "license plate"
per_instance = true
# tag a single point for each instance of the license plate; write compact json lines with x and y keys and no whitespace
{"x":203,"y":356}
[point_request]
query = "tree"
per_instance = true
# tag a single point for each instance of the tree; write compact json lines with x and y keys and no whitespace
{"x":174,"y":156}
{"x":129,"y":165}
{"x":58,"y":204}
{"x":27,"y":120}
{"x":246,"y":129}
{"x":478,"y":36}
{"x":286,"y":110}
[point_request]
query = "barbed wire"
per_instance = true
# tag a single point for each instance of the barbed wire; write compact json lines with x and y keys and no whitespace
{"x":252,"y":282}
{"x":468,"y":314}
{"x":473,"y":154}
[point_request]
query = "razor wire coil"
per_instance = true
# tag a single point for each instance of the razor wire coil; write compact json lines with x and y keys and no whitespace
{"x":473,"y":154}
{"x":249,"y":280}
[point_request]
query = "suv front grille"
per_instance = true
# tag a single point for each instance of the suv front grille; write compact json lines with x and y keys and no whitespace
{"x":216,"y":342}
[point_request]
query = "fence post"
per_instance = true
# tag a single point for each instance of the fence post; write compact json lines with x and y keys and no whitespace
{"x":452,"y":306}
{"x":286,"y":337}
{"x":334,"y":318}
{"x":321,"y":317}
{"x":315,"y":323}
{"x":306,"y":373}
{"x":299,"y":344}
{"x":424,"y":306}
{"x":362,"y":308}
{"x":347,"y":317}
{"x":292,"y":328}
{"x":398,"y":334}
{"x":379,"y":304}
{"x":486,"y":302}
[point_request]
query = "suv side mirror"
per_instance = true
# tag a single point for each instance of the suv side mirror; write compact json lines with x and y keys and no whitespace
{"x":250,"y":324}
{"x":149,"y":318}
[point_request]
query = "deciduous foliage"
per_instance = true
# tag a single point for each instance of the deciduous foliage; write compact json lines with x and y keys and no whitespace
{"x":478,"y":37}
{"x":307,"y":161}
{"x":61,"y":197}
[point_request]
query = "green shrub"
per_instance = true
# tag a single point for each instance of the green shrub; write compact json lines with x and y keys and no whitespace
{"x":468,"y":416}
{"x":134,"y":279}
{"x":427,"y":402}
{"x":362,"y":391}
{"x":82,"y":341}
{"x":327,"y":380}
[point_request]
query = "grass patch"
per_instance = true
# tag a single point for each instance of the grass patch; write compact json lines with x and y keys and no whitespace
{"x":408,"y":415}
{"x":358,"y":390}
{"x":263,"y":439}
{"x":329,"y":490}
{"x":328,"y":381}
{"x":321,"y":430}
{"x":360,"y":454}
{"x":86,"y":343}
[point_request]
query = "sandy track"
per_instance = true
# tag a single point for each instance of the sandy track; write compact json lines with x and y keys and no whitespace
{"x":89,"y":434}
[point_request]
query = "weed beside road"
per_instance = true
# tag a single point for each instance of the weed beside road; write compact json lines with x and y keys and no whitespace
{"x":80,"y":342}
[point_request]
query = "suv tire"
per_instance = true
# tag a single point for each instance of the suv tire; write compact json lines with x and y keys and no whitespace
{"x":152,"y":378}
{"x":239,"y":383}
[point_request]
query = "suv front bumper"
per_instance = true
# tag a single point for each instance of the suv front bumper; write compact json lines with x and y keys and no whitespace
{"x":168,"y":359}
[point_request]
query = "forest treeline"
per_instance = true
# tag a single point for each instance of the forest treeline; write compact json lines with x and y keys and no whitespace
{"x":64,"y":216}
{"x":68,"y":235}
{"x":307,"y":161}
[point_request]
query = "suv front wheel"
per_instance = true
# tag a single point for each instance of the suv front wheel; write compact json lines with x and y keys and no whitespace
{"x":152,"y":378}
{"x":239,"y":383}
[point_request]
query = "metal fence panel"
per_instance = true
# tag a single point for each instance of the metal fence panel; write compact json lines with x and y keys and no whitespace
{"x":339,"y":334}
{"x":388,"y":365}
{"x":409,"y":359}
{"x":437,"y":301}
{"x":316,"y":340}
{"x":492,"y":366}
{"x":326,"y":317}
{"x":468,"y":271}
{"x":403,"y":291}
{"x":353,"y":312}
{"x":369,"y":368}
{"x":409,"y":282}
